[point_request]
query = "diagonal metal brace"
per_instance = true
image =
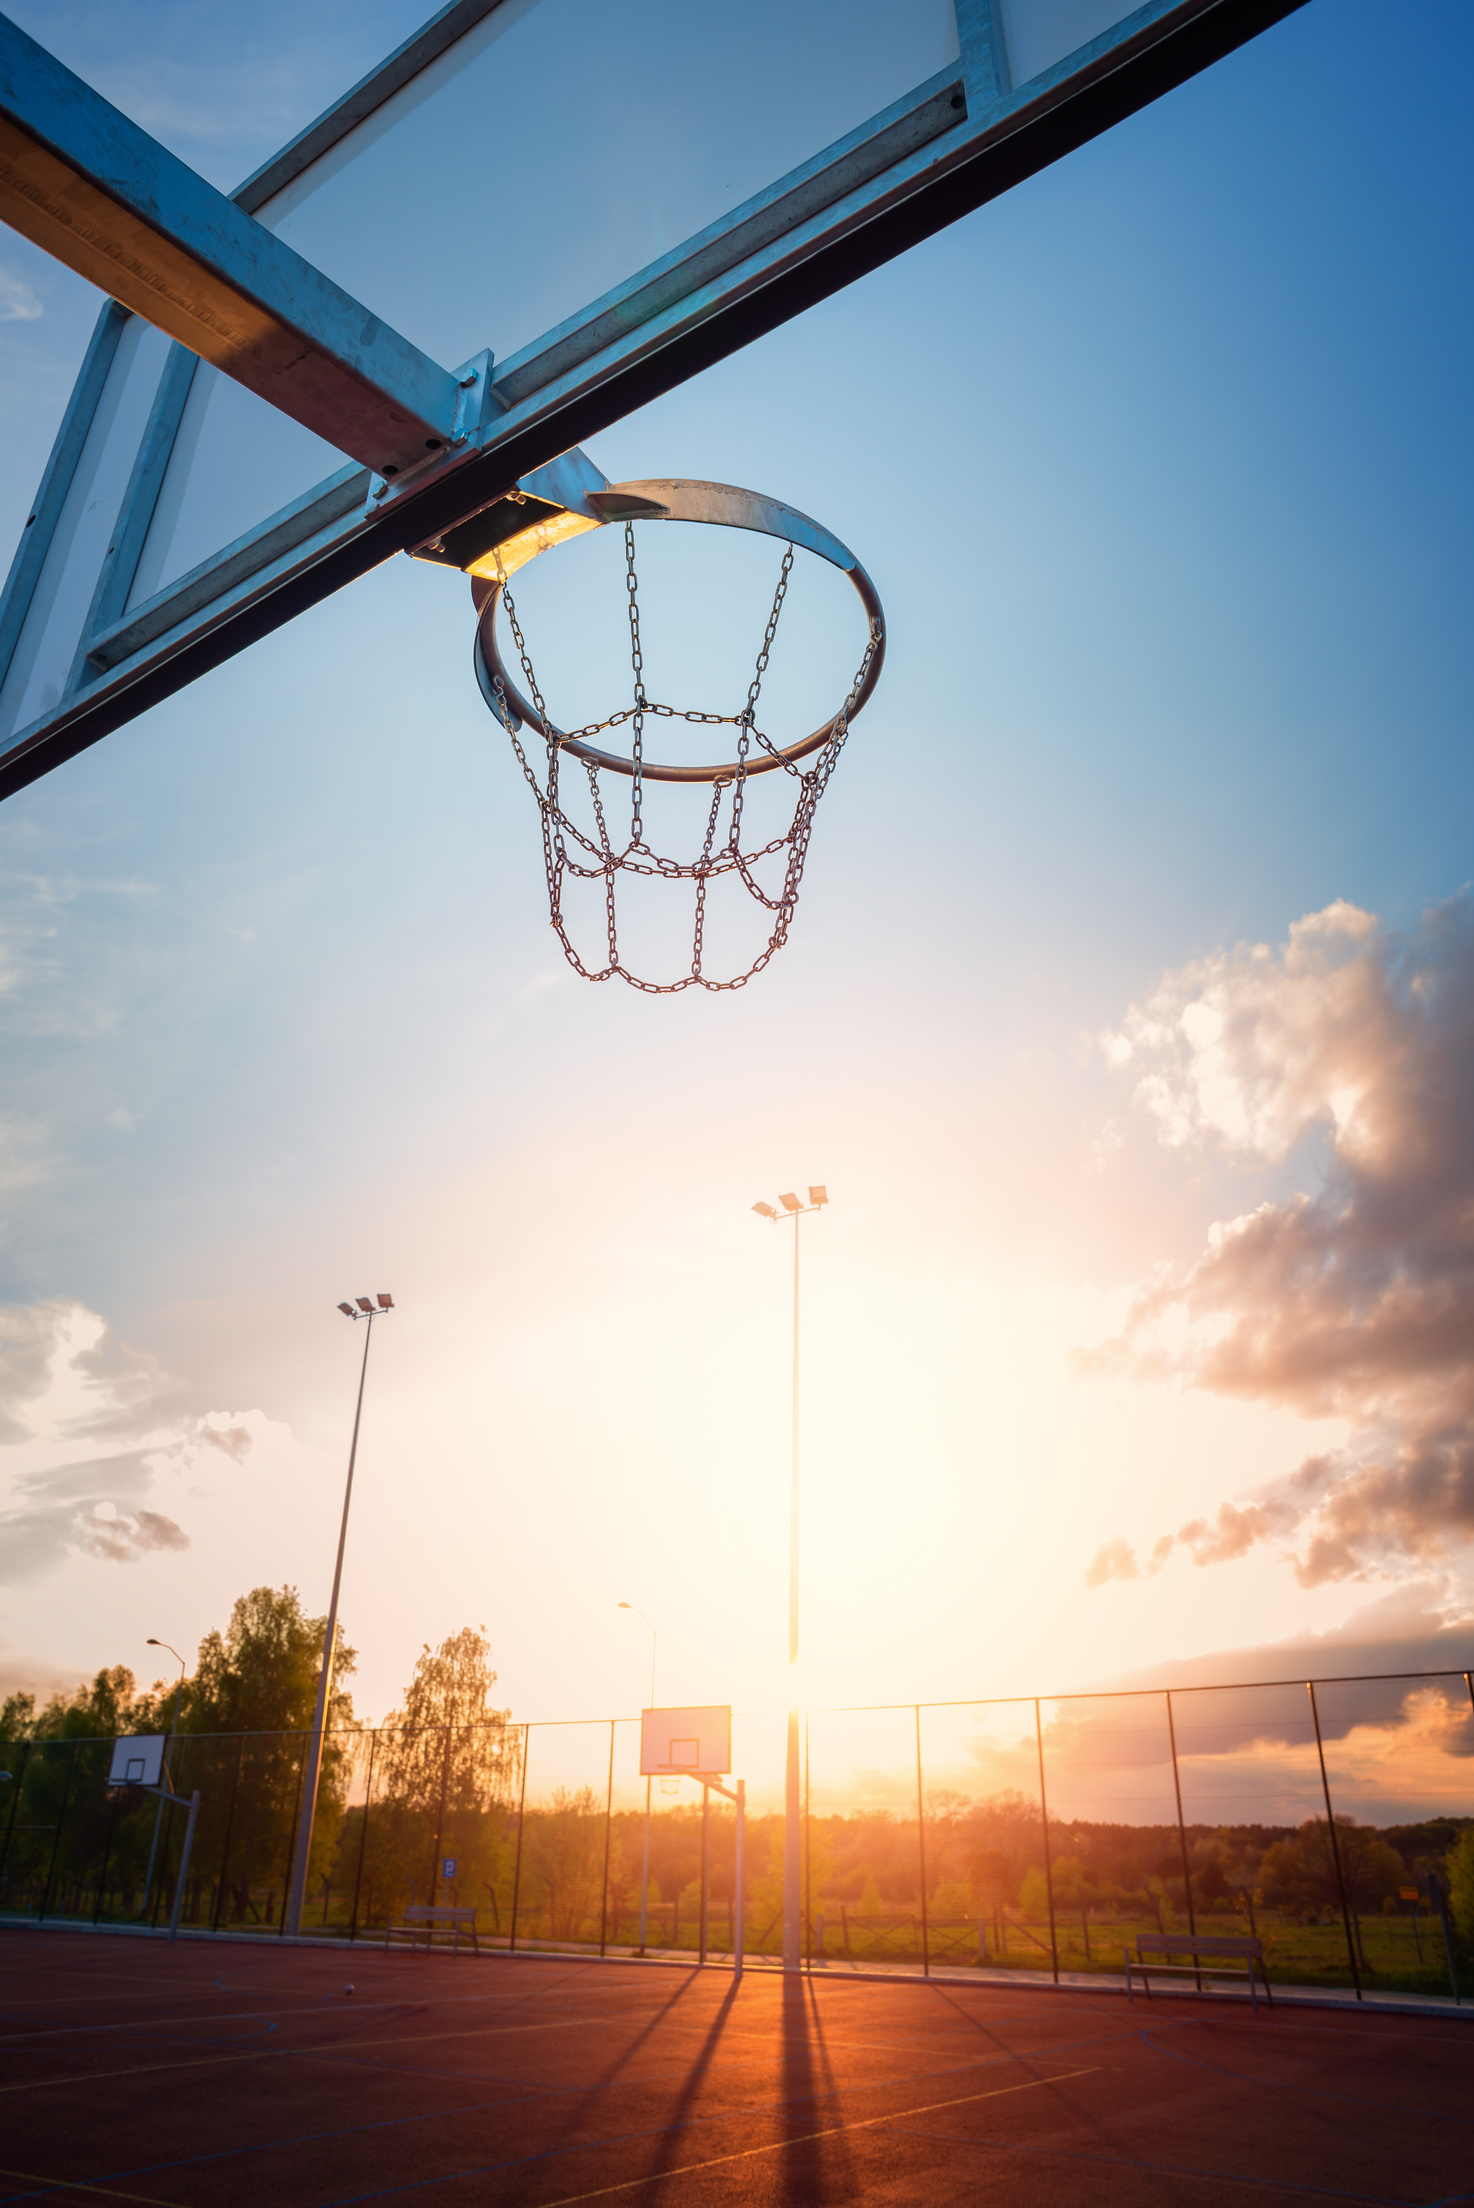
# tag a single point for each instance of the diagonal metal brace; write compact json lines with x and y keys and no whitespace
{"x":89,"y":187}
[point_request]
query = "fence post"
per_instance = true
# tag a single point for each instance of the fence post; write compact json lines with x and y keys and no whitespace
{"x":739,"y":1877}
{"x":107,"y":1850}
{"x":440,"y":1816}
{"x":1325,"y":1785}
{"x":19,"y":1780}
{"x":517,"y":1863}
{"x":235,"y":1784}
{"x":368,"y":1795}
{"x":1048,"y":1866}
{"x":1187,"y":1877}
{"x":706,"y":1864}
{"x":608,"y":1834}
{"x":66,"y":1795}
{"x":921,"y":1850}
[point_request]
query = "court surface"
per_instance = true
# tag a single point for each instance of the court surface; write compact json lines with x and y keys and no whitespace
{"x":219,"y":2074}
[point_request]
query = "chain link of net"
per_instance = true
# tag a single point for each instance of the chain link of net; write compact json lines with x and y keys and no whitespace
{"x":563,"y":839}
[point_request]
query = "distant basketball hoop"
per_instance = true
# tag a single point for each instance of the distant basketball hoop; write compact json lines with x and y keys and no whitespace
{"x":693,"y":1741}
{"x":569,"y":849}
{"x":138,"y":1760}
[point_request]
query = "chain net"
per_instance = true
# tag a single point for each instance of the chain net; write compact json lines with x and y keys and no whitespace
{"x":569,"y":850}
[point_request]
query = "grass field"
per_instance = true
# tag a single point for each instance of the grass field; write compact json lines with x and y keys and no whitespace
{"x":207,"y":2075}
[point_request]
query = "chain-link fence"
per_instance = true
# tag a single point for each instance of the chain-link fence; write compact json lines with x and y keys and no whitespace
{"x":1028,"y":1835}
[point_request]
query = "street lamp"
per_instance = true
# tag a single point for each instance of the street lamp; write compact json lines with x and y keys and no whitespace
{"x":370,"y":1309}
{"x":173,"y":1729}
{"x":792,"y":1801}
{"x":645,"y":1874}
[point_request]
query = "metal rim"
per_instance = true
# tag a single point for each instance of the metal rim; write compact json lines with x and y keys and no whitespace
{"x":718,"y":505}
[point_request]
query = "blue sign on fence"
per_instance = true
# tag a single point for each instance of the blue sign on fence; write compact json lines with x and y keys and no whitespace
{"x":448,"y":1867}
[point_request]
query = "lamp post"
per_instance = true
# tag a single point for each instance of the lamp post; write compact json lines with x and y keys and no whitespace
{"x":645,"y":1873}
{"x":148,"y":1884}
{"x":370,"y":1310}
{"x":792,"y":1793}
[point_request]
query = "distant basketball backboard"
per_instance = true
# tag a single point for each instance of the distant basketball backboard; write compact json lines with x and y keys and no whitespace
{"x":690,"y":1740}
{"x":139,"y":1760}
{"x":453,"y":295}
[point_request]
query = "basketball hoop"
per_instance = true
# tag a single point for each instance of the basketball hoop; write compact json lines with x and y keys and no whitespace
{"x":567,"y":848}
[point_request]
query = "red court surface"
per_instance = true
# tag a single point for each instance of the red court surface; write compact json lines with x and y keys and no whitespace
{"x":205,"y":2075}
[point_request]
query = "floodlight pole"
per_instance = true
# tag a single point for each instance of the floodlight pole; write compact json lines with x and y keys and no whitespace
{"x":792,"y":1787}
{"x":645,"y":1871}
{"x":297,"y":1892}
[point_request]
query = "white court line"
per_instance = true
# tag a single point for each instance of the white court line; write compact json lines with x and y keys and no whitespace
{"x":807,"y":2138}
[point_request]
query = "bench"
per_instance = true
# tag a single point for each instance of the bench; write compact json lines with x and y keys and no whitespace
{"x":420,"y":1921}
{"x":1223,"y":1958}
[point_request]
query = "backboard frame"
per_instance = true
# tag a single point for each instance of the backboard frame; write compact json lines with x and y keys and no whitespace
{"x":705,"y":1728}
{"x":958,"y":140}
{"x":138,"y":1760}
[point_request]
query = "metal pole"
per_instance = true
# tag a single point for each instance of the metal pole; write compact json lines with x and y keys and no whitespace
{"x":808,"y":1853}
{"x":159,"y":1812}
{"x":106,"y":1857}
{"x":517,"y":1860}
{"x":921,"y":1846}
{"x":240,"y":1757}
{"x":1325,"y":1785}
{"x":286,"y":1892}
{"x":1044,"y":1814}
{"x":1187,"y":1883}
{"x":645,"y":1872}
{"x":368,"y":1790}
{"x":440,"y":1815}
{"x":1434,"y":1886}
{"x":705,"y":1869}
{"x":792,"y":1848}
{"x":608,"y":1834}
{"x":739,"y":1876}
{"x":298,"y":1890}
{"x":66,"y":1795}
{"x":194,"y":1810}
{"x":19,"y":1783}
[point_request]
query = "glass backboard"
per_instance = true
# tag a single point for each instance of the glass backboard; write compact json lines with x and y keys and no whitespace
{"x":571,"y":206}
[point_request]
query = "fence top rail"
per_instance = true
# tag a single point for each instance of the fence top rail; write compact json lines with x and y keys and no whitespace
{"x":830,"y":1709}
{"x":1121,"y":1694}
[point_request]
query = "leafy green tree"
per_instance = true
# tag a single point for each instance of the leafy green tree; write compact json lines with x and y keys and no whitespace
{"x":1460,"y":1866}
{"x":448,"y":1763}
{"x":258,"y":1680}
{"x":565,"y":1860}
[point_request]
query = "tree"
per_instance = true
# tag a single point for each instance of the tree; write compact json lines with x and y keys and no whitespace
{"x":450,"y":1761}
{"x":1460,"y":1865}
{"x":258,"y":1679}
{"x":1300,"y":1874}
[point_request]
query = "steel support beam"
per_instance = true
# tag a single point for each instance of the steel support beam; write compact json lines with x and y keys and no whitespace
{"x":98,"y":194}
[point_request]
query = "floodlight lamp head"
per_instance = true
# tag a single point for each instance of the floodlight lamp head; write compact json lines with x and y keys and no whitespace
{"x":622,"y":1606}
{"x":765,"y":1211}
{"x":152,"y":1643}
{"x":386,"y":1303}
{"x":819,"y":1194}
{"x":790,"y":1202}
{"x":346,"y":1309}
{"x":365,"y":1303}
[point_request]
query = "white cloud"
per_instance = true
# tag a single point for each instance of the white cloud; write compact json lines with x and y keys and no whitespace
{"x":18,"y":303}
{"x":1356,"y":1301}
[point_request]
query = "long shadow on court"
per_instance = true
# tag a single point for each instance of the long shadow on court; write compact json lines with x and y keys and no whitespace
{"x":674,"y":2140}
{"x":812,"y":2169}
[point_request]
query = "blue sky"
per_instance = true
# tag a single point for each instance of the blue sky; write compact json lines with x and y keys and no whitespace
{"x":1161,"y":465}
